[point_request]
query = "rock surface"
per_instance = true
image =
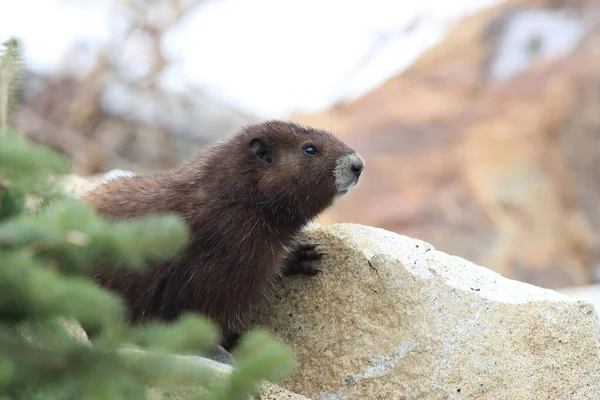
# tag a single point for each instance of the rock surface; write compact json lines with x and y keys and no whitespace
{"x":392,"y":318}
{"x":590,"y":293}
{"x":499,"y":168}
{"x":74,"y":329}
{"x":268,"y":391}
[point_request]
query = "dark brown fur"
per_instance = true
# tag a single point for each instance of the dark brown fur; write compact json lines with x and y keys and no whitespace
{"x":243,"y":213}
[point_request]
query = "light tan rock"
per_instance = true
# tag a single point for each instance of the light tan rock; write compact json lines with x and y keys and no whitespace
{"x":392,"y":318}
{"x":73,"y":185}
{"x":267,"y":390}
{"x":74,"y":329}
{"x":589,"y":293}
{"x":77,"y":185}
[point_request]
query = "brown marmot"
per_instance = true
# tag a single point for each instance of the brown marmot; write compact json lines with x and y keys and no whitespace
{"x":245,"y":201}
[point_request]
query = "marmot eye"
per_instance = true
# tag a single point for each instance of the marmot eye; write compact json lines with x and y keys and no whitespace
{"x":310,"y":150}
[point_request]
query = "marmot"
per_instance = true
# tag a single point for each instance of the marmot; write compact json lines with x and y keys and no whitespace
{"x":245,"y":200}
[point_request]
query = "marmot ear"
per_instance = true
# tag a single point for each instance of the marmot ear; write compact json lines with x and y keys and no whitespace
{"x":262,"y":150}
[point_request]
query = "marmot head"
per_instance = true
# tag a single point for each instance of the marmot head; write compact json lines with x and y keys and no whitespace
{"x":293,"y":171}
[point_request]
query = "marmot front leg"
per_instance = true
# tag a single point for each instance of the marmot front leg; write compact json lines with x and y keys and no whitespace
{"x":298,"y":261}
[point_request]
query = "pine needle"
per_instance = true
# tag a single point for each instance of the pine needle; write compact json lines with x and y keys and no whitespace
{"x":10,"y":67}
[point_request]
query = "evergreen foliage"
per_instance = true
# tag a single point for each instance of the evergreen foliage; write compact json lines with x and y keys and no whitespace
{"x":46,"y":254}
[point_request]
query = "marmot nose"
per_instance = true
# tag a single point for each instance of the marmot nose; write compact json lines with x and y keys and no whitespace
{"x":357,"y":167}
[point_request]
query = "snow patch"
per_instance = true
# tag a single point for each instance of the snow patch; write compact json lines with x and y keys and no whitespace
{"x":534,"y":34}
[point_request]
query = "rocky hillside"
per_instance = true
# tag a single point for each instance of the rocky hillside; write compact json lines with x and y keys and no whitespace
{"x":488,"y":145}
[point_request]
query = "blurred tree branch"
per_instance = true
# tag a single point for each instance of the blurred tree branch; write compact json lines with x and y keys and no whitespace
{"x":69,"y":113}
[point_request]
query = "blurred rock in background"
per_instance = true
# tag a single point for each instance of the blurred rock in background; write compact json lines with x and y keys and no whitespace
{"x":488,"y":146}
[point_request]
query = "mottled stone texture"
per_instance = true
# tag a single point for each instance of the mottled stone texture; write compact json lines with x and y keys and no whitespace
{"x":390,"y":318}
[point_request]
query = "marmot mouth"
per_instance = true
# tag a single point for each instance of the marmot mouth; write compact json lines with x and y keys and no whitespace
{"x":347,"y":172}
{"x":342,"y":192}
{"x":350,"y":183}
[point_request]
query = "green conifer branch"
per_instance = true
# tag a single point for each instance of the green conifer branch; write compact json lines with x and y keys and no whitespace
{"x":10,"y":69}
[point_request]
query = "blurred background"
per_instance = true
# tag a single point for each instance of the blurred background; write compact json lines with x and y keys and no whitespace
{"x":479,"y":120}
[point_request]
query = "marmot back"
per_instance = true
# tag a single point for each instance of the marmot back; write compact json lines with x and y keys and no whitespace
{"x":245,"y":200}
